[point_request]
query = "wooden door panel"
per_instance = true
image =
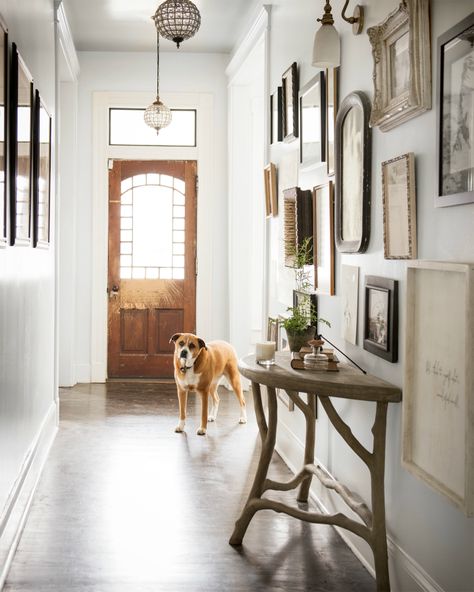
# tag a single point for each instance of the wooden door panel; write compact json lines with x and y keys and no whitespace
{"x":168,"y":322}
{"x":149,"y":302}
{"x":134,"y":331}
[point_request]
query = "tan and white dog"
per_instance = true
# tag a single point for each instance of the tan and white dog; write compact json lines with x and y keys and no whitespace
{"x":198,"y":367}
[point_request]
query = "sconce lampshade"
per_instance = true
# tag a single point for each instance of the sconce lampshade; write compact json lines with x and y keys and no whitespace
{"x":326,"y":48}
{"x":157,"y":115}
{"x":177,"y":20}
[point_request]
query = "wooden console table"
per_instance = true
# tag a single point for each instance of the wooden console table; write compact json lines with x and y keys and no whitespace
{"x":348,"y":383}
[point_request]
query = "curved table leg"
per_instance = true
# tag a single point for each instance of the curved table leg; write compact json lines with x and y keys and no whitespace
{"x":310,"y":416}
{"x":268,"y":446}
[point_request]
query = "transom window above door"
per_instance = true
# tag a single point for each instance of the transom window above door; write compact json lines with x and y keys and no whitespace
{"x":128,"y":128}
{"x":152,"y":227}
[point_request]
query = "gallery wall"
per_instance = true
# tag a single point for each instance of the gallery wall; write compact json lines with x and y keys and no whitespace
{"x":431,"y":541}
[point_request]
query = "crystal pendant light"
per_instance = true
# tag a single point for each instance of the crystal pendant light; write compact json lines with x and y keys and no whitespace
{"x":177,"y":20}
{"x":157,"y":115}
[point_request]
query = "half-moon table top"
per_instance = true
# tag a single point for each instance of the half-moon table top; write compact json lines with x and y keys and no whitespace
{"x":348,"y":383}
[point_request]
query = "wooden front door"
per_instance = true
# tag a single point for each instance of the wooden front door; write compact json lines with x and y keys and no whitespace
{"x":152,"y":264}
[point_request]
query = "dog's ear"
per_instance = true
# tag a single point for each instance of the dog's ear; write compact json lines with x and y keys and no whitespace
{"x":202,"y":343}
{"x":175,"y":337}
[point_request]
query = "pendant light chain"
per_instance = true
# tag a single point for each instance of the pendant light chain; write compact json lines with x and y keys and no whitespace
{"x":157,"y":63}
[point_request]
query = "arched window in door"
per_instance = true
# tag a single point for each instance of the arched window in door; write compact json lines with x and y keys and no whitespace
{"x":152,"y":227}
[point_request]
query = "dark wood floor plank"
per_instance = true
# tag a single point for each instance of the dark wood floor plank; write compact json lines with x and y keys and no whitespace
{"x":127,"y":505}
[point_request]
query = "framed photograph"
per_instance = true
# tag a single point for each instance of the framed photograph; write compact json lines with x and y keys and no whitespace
{"x":41,"y":173}
{"x":290,"y":103}
{"x":401,"y":51}
{"x":313,"y":121}
{"x":381,"y":317}
{"x":323,"y":239}
{"x":3,"y":136}
{"x":353,"y":168}
{"x":438,"y":386}
{"x":276,"y":108}
{"x":455,"y":103}
{"x":271,"y":190}
{"x":298,"y":221}
{"x":307,"y":302}
{"x":21,"y":161}
{"x":399,"y":207}
{"x":350,"y":302}
{"x":332,"y":98}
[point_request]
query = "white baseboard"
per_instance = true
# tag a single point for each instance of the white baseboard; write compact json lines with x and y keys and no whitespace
{"x":405,"y":573}
{"x":17,"y":507}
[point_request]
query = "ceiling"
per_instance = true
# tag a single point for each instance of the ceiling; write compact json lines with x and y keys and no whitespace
{"x":124,"y":25}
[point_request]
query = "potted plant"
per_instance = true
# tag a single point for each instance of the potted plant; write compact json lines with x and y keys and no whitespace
{"x":301,"y":325}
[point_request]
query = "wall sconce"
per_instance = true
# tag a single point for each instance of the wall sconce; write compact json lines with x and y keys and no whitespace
{"x":327,"y":45}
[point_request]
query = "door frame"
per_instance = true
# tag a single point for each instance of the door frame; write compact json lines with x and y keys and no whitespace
{"x":102,"y":152}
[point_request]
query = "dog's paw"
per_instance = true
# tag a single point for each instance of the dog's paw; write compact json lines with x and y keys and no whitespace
{"x":178,"y":429}
{"x":201,"y":432}
{"x":243,"y":420}
{"x":211,"y":418}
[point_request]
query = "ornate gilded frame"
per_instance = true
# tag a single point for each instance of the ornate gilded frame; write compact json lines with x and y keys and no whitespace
{"x":402,"y":40}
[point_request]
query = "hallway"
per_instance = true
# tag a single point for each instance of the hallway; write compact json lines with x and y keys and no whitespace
{"x":126,"y":505}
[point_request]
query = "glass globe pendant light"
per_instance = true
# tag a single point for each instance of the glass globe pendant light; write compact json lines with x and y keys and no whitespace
{"x":157,"y":115}
{"x":177,"y":20}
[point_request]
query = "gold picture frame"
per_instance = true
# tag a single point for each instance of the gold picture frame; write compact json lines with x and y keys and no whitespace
{"x":271,"y":190}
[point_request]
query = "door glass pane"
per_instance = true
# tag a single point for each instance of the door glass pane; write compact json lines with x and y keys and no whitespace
{"x":152,"y":228}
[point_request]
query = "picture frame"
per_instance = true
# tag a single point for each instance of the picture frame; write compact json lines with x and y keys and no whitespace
{"x":332,"y":100}
{"x":323,"y":239}
{"x":438,"y":385}
{"x":298,"y":221}
{"x":21,"y":150}
{"x":4,"y":65}
{"x":41,"y":173}
{"x":381,"y":317}
{"x":350,"y":302}
{"x":290,"y":103}
{"x":455,"y":113}
{"x":271,"y":190}
{"x":312,"y":115}
{"x":353,"y":172}
{"x":276,"y":107}
{"x":401,"y":51}
{"x":399,"y":207}
{"x":307,"y":302}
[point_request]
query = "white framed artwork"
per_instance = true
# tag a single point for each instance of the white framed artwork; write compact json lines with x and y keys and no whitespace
{"x":438,"y":392}
{"x":350,"y":302}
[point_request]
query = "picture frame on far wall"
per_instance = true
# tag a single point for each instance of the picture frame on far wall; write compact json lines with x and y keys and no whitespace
{"x":4,"y":69}
{"x":332,"y":99}
{"x":399,"y":207}
{"x":271,"y":190}
{"x":438,"y":382}
{"x":353,"y":170}
{"x":312,"y":110}
{"x":276,"y":107}
{"x":21,"y":153}
{"x":323,"y":239}
{"x":401,"y":50}
{"x":290,"y":103}
{"x":307,"y":302}
{"x":381,"y":317}
{"x":298,"y":221}
{"x":455,"y":105}
{"x":41,"y":174}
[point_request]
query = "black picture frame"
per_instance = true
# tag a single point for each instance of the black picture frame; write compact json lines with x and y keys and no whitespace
{"x":290,"y":103}
{"x":353,"y":157}
{"x":276,"y":106}
{"x":307,"y":300}
{"x":41,"y":173}
{"x":21,"y":150}
{"x":381,"y":317}
{"x":312,"y":114}
{"x":455,"y":146}
{"x":4,"y":101}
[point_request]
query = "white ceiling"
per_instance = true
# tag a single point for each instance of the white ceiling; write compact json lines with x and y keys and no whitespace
{"x":126,"y":25}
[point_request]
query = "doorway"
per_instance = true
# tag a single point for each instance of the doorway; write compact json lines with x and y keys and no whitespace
{"x":151,"y":264}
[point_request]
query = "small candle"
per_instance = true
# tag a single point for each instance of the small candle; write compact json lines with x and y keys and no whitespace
{"x":265,"y":352}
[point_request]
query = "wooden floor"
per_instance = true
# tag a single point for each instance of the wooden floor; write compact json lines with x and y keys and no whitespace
{"x":127,"y":505}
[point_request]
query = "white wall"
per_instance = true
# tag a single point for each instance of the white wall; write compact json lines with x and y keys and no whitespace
{"x":27,"y":391}
{"x":179,"y":73}
{"x":429,"y":537}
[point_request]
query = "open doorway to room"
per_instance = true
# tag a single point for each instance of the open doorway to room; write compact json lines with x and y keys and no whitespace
{"x":151,"y":264}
